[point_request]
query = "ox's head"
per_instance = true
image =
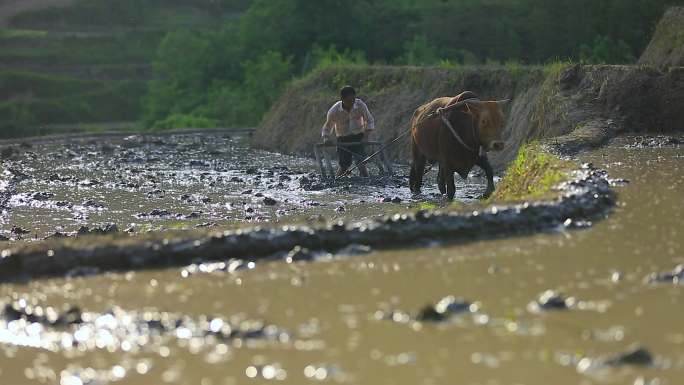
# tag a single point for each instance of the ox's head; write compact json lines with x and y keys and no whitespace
{"x":489,"y":119}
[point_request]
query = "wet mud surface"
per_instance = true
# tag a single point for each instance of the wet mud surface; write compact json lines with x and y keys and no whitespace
{"x":140,"y":184}
{"x":596,"y":305}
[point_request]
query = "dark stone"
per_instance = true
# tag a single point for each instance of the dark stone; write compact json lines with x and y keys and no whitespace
{"x":259,"y":195}
{"x":92,"y":204}
{"x":3,"y":238}
{"x":304,"y":182}
{"x":445,"y":308}
{"x":270,"y":201}
{"x":246,"y":192}
{"x":251,"y":171}
{"x":57,"y":235}
{"x":284,"y":178}
{"x":396,"y":200}
{"x":386,"y":200}
{"x":676,"y":276}
{"x":340,"y":209}
{"x":551,"y":300}
{"x":636,"y":355}
{"x":159,"y":213}
{"x":42,"y":196}
{"x":16,"y":230}
{"x":192,"y":215}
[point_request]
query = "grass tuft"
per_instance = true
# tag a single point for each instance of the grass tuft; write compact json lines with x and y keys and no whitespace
{"x":532,"y":175}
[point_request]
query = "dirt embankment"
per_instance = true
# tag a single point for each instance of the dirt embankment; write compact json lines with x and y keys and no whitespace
{"x":578,"y":105}
{"x":667,"y":46}
{"x":11,"y":8}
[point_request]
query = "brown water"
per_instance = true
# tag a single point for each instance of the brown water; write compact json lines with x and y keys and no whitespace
{"x":333,"y":309}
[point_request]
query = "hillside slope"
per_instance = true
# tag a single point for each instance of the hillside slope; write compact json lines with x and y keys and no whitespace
{"x":580,"y":105}
{"x":70,"y":64}
{"x":667,"y":46}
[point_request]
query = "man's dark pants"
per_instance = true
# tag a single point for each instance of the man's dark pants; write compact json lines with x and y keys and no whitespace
{"x":345,"y":153}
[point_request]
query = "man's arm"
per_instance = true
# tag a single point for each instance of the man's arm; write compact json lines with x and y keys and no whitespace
{"x":326,"y":131}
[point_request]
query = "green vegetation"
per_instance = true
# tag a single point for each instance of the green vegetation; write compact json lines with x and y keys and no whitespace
{"x":116,"y":48}
{"x":225,"y":62}
{"x":532,"y":175}
{"x":105,"y":14}
{"x":223,"y":75}
{"x":30,"y":100}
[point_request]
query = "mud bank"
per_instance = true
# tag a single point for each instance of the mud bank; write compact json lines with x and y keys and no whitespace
{"x":666,"y":49}
{"x":586,"y":196}
{"x":576,"y":106}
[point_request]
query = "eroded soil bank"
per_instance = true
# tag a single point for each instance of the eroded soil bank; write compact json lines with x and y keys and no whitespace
{"x":386,"y":317}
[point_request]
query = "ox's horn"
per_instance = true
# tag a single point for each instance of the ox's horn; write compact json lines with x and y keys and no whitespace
{"x":503,"y":103}
{"x":474,"y":102}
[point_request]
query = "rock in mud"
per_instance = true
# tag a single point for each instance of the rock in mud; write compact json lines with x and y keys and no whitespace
{"x":106,"y":228}
{"x":676,"y":276}
{"x":444,"y":309}
{"x":57,"y":235}
{"x":92,"y":204}
{"x":21,"y":310}
{"x":340,"y":209}
{"x":192,"y":215}
{"x":270,"y":201}
{"x":635,"y":355}
{"x":16,"y":230}
{"x":42,"y":196}
{"x":3,"y":238}
{"x":551,"y":300}
{"x":155,"y":213}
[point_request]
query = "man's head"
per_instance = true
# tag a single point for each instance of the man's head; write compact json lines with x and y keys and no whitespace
{"x":348,"y":95}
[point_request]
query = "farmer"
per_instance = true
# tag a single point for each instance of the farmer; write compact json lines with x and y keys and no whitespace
{"x":350,"y":121}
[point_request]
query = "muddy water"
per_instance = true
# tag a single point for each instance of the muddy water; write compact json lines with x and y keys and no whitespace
{"x":182,"y":181}
{"x":352,"y":320}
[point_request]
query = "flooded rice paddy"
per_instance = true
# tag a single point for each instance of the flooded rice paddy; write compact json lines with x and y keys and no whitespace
{"x":139,"y":184}
{"x":602,"y":305}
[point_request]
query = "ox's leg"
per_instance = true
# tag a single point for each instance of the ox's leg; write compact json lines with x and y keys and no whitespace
{"x":417,"y":169}
{"x":441,"y":181}
{"x":483,"y":162}
{"x":448,"y":175}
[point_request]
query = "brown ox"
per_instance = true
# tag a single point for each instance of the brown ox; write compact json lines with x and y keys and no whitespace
{"x":478,"y":127}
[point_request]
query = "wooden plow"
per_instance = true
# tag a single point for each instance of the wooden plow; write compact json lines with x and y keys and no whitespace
{"x":324,"y":158}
